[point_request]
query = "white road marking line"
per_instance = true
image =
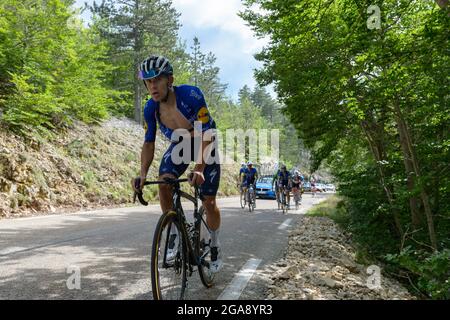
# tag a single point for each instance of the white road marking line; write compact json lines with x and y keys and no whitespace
{"x":285,"y":224}
{"x":240,"y":280}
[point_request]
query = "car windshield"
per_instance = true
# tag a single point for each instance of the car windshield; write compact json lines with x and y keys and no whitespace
{"x":265,"y":180}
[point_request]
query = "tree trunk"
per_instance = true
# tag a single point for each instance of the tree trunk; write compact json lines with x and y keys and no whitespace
{"x":137,"y":102}
{"x":409,"y":170}
{"x":410,"y":154}
{"x":442,"y":3}
{"x":378,"y":153}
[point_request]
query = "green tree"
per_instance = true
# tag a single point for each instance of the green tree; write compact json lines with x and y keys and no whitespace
{"x":342,"y":82}
{"x":53,"y":69}
{"x":134,"y":29}
{"x":205,"y":74}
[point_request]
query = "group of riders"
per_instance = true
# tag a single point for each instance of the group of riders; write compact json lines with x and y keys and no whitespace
{"x":284,"y":182}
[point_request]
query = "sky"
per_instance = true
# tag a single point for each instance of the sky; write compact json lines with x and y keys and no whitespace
{"x":221,"y":31}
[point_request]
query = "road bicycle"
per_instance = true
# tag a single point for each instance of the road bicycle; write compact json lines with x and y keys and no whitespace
{"x":251,"y":198}
{"x":179,"y":247}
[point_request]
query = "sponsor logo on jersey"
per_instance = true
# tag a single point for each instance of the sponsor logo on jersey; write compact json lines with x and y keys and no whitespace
{"x":203,"y":115}
{"x":195,"y":94}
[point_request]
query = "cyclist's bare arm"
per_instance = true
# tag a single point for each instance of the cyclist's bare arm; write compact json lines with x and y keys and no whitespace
{"x":147,"y":154}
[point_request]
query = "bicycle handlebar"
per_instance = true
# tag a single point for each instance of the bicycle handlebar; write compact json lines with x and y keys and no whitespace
{"x":139,"y":194}
{"x":166,"y":181}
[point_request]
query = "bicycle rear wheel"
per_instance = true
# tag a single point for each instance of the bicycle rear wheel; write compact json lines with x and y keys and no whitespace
{"x":169,"y":259}
{"x":278,"y":201}
{"x":202,"y":250}
{"x":297,"y":201}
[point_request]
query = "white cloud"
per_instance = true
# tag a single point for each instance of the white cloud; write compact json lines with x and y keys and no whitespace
{"x":219,"y":14}
{"x":225,"y":34}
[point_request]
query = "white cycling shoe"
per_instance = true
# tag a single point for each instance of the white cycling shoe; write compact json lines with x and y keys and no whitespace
{"x":172,"y":250}
{"x":216,"y":263}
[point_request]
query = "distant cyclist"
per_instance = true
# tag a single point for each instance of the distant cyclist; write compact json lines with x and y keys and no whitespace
{"x":284,"y":182}
{"x":297,"y":185}
{"x":313,"y":186}
{"x":251,"y":175}
{"x":275,"y":184}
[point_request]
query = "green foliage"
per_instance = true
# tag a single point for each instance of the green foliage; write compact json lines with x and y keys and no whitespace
{"x":431,"y":271}
{"x":333,"y":208}
{"x":133,"y":31}
{"x":373,"y":105}
{"x":205,"y":74}
{"x":53,"y":69}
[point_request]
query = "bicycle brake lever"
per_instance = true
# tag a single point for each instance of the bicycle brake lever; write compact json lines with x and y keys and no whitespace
{"x":141,"y":199}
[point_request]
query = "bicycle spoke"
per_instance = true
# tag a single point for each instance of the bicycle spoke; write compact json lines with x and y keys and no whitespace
{"x":202,"y":248}
{"x":168,"y":262}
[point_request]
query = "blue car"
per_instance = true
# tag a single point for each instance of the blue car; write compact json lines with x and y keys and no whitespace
{"x":264,"y":188}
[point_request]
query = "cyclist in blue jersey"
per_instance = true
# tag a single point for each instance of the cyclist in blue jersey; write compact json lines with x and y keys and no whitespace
{"x":251,"y":175}
{"x":178,"y":110}
{"x":284,"y":182}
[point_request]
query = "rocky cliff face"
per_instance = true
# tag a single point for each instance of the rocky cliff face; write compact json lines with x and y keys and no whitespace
{"x":83,"y":167}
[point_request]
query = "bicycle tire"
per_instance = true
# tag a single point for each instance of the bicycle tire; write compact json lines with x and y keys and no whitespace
{"x":201,"y":244}
{"x":297,"y":201}
{"x":179,"y":266}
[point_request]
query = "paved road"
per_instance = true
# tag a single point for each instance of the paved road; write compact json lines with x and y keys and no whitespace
{"x":111,"y":250}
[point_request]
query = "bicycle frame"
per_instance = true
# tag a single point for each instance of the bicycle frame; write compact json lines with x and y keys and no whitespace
{"x":177,"y":194}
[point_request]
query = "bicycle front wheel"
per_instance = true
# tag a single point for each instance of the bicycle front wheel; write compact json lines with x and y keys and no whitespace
{"x":242,"y":200}
{"x":202,"y":250}
{"x":169,"y":259}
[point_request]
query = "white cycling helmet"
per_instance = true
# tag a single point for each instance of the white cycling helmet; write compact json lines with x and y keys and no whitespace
{"x":154,"y":66}
{"x":249,"y":163}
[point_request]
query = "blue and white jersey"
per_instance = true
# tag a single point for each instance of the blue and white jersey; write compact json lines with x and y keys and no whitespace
{"x":250,"y":175}
{"x":190,"y":102}
{"x":284,"y":178}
